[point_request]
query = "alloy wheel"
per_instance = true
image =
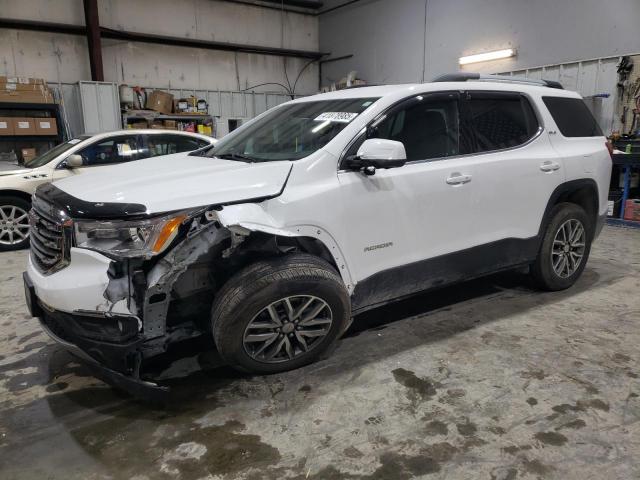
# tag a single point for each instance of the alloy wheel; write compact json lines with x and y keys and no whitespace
{"x":568,"y":248}
{"x":14,"y":225}
{"x":287,"y":328}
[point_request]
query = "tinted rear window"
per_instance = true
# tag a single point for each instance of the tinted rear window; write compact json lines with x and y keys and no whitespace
{"x":501,"y":120}
{"x":573,"y":117}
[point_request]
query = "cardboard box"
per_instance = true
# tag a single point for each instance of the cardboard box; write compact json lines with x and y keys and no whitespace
{"x":632,"y":209}
{"x":139,"y":124}
{"x":22,"y":80}
{"x":6,"y":126}
{"x":160,"y":102}
{"x":22,"y":84}
{"x":24,"y":126}
{"x":28,"y":154}
{"x":170,"y":124}
{"x":24,"y":90}
{"x":46,"y":126}
{"x":21,"y":87}
{"x":39,"y":95}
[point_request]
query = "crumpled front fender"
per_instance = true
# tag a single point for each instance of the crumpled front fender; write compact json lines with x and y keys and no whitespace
{"x":255,"y":218}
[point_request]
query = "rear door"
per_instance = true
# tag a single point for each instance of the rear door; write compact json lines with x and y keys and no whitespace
{"x":516,"y":171}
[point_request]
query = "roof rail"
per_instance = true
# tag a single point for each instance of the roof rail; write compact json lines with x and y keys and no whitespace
{"x":465,"y":76}
{"x":362,"y":86}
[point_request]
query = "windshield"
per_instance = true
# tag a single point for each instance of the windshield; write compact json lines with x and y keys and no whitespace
{"x":54,"y":152}
{"x":291,"y":132}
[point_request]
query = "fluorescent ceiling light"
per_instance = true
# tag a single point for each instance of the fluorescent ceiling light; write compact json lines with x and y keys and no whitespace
{"x":485,"y":57}
{"x":320,"y":127}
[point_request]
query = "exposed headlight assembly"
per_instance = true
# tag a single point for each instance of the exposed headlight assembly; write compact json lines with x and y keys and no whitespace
{"x":129,"y":238}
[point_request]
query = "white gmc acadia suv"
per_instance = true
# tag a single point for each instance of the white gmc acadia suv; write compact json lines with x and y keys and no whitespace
{"x":318,"y":209}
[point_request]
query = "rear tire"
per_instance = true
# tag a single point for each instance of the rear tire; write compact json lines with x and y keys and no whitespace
{"x":14,"y":223}
{"x":565,"y":248}
{"x":280,"y":314}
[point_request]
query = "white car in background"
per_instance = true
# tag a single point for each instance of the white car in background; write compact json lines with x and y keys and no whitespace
{"x":82,"y":154}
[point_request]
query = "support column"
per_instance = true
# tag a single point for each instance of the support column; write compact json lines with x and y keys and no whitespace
{"x":93,"y":39}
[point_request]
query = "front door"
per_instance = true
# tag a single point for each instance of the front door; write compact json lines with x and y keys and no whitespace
{"x":401,"y":217}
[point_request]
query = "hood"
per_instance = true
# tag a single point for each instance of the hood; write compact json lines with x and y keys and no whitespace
{"x":10,"y":168}
{"x":178,"y":181}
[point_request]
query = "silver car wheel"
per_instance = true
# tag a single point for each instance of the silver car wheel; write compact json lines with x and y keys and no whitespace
{"x":568,"y":248}
{"x":14,"y":225}
{"x":287,"y":328}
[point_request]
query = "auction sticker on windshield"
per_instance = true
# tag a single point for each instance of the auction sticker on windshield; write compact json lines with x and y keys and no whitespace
{"x":344,"y":117}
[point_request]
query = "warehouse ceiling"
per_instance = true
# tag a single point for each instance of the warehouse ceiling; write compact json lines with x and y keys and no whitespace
{"x":312,"y":5}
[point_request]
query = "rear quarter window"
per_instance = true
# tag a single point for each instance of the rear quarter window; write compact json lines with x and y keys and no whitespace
{"x":573,"y":117}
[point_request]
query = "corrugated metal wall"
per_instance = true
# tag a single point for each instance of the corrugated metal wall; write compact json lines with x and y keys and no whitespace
{"x":222,"y":104}
{"x":589,"y":78}
{"x":233,"y":104}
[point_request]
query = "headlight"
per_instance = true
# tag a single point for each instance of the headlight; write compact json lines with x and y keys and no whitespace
{"x":129,"y":238}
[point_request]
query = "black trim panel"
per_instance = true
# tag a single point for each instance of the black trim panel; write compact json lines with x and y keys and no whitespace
{"x":106,"y":361}
{"x":77,"y":208}
{"x":399,"y":282}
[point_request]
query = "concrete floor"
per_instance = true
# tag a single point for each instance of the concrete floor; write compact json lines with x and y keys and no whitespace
{"x":486,"y":380}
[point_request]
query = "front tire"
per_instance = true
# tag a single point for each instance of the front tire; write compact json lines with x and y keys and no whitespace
{"x":565,"y":248}
{"x":14,"y":223}
{"x":280,"y":314}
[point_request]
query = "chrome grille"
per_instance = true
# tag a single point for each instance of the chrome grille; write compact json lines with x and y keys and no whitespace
{"x":50,"y":236}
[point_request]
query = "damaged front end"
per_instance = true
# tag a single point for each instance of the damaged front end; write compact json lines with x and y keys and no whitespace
{"x":118,"y":286}
{"x":149,"y":302}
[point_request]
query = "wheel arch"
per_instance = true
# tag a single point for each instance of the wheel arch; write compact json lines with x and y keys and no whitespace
{"x":15,"y":193}
{"x":312,"y":239}
{"x":308,"y":239}
{"x":582,"y":192}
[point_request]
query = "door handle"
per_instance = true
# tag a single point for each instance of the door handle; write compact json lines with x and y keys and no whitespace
{"x":458,"y":179}
{"x":549,"y":166}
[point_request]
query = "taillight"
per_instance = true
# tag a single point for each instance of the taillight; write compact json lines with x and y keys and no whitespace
{"x":610,"y":148}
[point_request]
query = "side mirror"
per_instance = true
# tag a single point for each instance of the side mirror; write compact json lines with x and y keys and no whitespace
{"x":378,"y":153}
{"x":74,"y":161}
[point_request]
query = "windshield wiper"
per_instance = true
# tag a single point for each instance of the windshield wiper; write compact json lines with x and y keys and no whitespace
{"x":236,"y":156}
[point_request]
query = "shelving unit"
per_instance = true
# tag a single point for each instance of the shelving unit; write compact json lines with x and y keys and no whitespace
{"x":151,"y":116}
{"x":627,"y":163}
{"x":53,"y":108}
{"x":10,"y":109}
